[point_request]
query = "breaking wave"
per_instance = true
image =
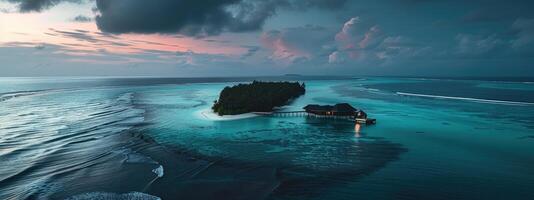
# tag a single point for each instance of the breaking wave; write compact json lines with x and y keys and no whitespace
{"x":490,"y":101}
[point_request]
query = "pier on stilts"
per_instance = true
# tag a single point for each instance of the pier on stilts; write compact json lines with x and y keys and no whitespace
{"x":356,"y":116}
{"x":285,"y":113}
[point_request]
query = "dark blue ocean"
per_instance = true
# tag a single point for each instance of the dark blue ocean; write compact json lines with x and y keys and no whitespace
{"x":155,"y":138}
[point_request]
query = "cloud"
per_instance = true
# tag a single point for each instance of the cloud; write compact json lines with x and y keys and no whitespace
{"x":193,"y":17}
{"x":361,"y":42}
{"x":525,"y":32}
{"x":5,"y":10}
{"x":250,"y":52}
{"x":40,"y":46}
{"x":65,"y":53}
{"x":186,"y":17}
{"x":473,"y":45}
{"x":350,"y":32}
{"x":85,"y":36}
{"x":516,"y":43}
{"x":297,"y":44}
{"x":63,"y":60}
{"x":491,"y":11}
{"x":164,"y":16}
{"x":355,"y":41}
{"x":38,"y":5}
{"x":82,"y":19}
{"x":483,"y":15}
{"x":401,"y":47}
{"x":471,"y":33}
{"x":356,"y":35}
{"x":337,"y":57}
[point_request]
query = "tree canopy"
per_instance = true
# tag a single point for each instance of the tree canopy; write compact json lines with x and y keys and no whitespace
{"x":256,"y":97}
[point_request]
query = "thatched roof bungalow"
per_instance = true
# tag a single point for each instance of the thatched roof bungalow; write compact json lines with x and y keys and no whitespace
{"x":340,"y":109}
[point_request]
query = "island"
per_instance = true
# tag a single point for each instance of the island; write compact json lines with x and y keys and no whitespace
{"x":257,"y":96}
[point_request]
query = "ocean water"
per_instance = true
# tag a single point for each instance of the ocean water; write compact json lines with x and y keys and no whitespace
{"x":149,"y":138}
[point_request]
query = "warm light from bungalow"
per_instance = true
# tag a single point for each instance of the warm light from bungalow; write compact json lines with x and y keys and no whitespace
{"x":357,"y":127}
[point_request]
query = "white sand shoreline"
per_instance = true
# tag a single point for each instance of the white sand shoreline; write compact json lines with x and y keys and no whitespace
{"x":208,"y":114}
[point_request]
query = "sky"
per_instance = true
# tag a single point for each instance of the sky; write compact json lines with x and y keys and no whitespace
{"x":201,"y":38}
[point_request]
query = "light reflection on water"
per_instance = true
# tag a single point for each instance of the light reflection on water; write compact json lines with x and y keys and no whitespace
{"x":357,"y":127}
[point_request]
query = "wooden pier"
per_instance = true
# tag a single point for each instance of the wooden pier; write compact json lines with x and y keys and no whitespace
{"x":307,"y":114}
{"x":285,"y":113}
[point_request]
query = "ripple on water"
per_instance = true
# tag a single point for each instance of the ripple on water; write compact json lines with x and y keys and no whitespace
{"x":282,"y":160}
{"x":61,"y":138}
{"x":114,"y":196}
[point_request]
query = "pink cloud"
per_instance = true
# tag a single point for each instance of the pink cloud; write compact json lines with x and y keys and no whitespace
{"x":85,"y":38}
{"x":356,"y":35}
{"x":349,"y":29}
{"x":364,"y":42}
{"x":372,"y":37}
{"x":295,"y":44}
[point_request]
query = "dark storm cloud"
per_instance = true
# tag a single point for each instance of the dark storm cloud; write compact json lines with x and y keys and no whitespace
{"x":140,"y":16}
{"x":186,"y":17}
{"x":499,"y":10}
{"x":193,"y":17}
{"x":38,"y":5}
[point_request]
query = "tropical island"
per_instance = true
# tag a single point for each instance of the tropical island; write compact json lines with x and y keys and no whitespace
{"x":256,"y":97}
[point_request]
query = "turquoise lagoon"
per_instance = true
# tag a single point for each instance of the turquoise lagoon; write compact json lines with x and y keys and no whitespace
{"x":153,"y":138}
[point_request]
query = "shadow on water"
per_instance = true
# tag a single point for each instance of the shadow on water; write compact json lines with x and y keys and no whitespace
{"x":306,"y":169}
{"x":299,"y":181}
{"x":367,"y":155}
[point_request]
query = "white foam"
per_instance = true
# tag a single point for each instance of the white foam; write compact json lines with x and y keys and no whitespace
{"x":208,"y":114}
{"x":158,"y":171}
{"x":7,"y":96}
{"x":468,"y":99}
{"x":114,"y":196}
{"x":373,"y":89}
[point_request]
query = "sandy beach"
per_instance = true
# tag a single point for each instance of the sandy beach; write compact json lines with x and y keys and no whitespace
{"x":208,"y":114}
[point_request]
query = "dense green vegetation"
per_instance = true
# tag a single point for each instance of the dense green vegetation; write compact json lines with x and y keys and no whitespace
{"x":256,"y":97}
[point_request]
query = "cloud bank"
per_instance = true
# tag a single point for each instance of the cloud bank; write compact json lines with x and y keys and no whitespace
{"x":193,"y":17}
{"x":186,"y":17}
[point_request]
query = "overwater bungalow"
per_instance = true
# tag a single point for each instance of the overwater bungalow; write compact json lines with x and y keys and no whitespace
{"x":339,"y":110}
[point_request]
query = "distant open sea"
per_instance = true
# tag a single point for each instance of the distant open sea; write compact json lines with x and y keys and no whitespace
{"x":146,"y":138}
